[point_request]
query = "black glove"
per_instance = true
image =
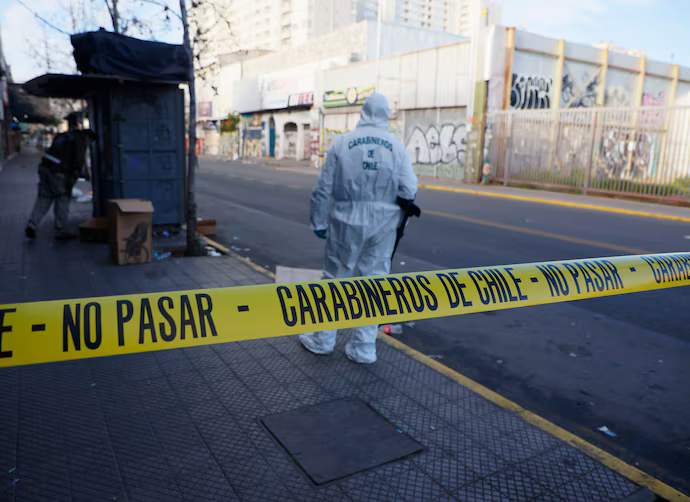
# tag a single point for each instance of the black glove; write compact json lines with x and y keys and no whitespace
{"x":409,"y":207}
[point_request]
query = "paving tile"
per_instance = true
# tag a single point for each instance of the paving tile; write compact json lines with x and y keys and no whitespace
{"x":368,"y":487}
{"x":509,"y":449}
{"x":272,"y":490}
{"x":206,"y":486}
{"x":248,"y":471}
{"x":449,"y":473}
{"x":458,"y":411}
{"x":609,"y":483}
{"x":480,"y":460}
{"x":181,"y":437}
{"x":514,"y":485}
{"x":558,"y":467}
{"x":414,"y":485}
{"x":481,"y":491}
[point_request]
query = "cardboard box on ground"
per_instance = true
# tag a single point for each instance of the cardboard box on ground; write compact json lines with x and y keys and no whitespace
{"x":130,"y":222}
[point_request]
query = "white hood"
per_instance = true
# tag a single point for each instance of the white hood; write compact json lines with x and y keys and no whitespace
{"x":375,"y":112}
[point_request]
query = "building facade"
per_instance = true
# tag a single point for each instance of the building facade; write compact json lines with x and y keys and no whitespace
{"x":278,"y":24}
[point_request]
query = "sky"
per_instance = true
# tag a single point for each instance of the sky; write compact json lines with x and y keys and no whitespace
{"x":658,"y":27}
{"x":30,"y":44}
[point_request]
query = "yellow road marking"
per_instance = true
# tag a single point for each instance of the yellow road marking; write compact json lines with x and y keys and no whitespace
{"x":539,"y":233}
{"x":559,"y":203}
{"x":630,"y":472}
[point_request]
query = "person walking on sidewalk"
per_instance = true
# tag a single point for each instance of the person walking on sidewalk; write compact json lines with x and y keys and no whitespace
{"x":58,"y":171}
{"x":356,"y":207}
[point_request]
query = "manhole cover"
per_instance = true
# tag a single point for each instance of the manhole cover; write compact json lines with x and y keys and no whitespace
{"x":339,"y":438}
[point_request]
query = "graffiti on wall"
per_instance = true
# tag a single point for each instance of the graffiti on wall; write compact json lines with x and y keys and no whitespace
{"x":441,"y":148}
{"x":626,"y":154}
{"x":252,"y":142}
{"x":617,"y":96}
{"x":579,"y":88}
{"x":530,"y":91}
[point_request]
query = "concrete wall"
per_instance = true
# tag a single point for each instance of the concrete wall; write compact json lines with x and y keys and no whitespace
{"x":435,"y":139}
{"x":548,"y":73}
{"x":430,"y":78}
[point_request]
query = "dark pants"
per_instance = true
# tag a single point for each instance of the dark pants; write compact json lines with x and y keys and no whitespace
{"x":53,"y":188}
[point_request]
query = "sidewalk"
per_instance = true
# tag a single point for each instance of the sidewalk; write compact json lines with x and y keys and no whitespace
{"x":184,"y":424}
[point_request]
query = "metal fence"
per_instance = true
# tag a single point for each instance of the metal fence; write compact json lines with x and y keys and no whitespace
{"x":642,"y":152}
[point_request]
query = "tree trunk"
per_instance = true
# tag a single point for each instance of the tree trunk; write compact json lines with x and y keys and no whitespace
{"x":194,"y":248}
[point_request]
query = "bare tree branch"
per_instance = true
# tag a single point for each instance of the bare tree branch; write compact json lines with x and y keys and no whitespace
{"x":165,"y":8}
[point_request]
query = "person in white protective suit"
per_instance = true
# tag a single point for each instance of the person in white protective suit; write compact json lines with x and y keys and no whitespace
{"x":354,"y":207}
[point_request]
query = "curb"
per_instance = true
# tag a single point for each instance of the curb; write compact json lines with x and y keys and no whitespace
{"x":246,"y":261}
{"x":558,"y":203}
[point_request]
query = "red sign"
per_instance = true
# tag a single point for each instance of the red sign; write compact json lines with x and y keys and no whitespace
{"x":302,"y":99}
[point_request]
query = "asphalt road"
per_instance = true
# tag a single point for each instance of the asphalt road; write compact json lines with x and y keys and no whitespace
{"x":619,"y":361}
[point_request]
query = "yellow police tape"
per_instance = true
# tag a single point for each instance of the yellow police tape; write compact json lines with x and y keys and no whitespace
{"x":60,"y":330}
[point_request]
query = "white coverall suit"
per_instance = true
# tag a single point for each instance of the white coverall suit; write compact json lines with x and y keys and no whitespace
{"x":354,"y":200}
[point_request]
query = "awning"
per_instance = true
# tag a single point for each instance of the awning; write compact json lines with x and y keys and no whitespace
{"x":58,"y":85}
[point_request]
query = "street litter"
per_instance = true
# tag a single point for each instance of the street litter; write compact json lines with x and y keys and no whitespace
{"x":409,"y":324}
{"x":93,"y":385}
{"x":499,"y":361}
{"x":76,"y":192}
{"x":12,"y":470}
{"x":607,"y":431}
{"x":213,"y":252}
{"x":572,"y":354}
{"x":393,"y":329}
{"x":402,"y":263}
{"x":85,"y":198}
{"x":234,"y":238}
{"x":161,"y":256}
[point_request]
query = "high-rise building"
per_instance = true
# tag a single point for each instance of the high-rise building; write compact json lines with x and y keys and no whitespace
{"x":277,"y":24}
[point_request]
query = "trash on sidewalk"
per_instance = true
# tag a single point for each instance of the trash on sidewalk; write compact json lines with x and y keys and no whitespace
{"x":76,"y":192}
{"x":161,"y":256}
{"x":213,"y":252}
{"x":289,"y":274}
{"x":12,"y":470}
{"x":393,"y":329}
{"x":499,"y":361}
{"x":206,"y":226}
{"x":607,"y":431}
